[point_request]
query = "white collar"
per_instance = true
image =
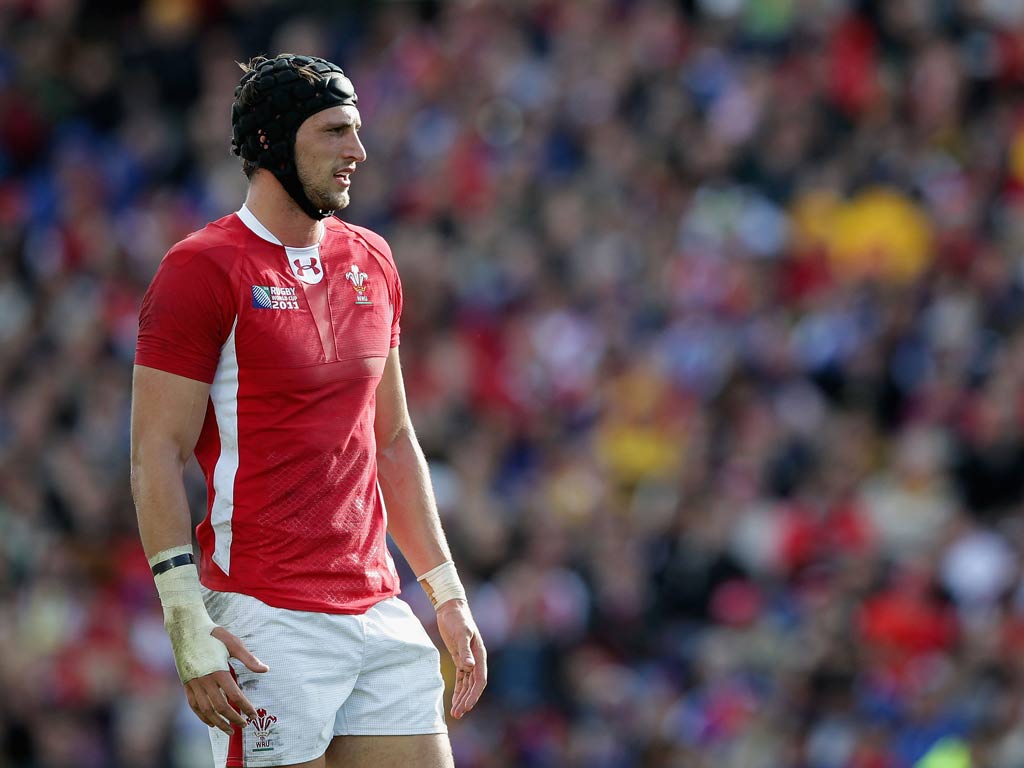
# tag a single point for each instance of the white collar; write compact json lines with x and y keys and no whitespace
{"x":249,"y":219}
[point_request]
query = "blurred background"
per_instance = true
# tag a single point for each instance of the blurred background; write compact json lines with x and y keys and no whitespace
{"x":713,"y":334}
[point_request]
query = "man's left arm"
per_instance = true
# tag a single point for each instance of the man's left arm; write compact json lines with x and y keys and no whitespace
{"x":415,"y":526}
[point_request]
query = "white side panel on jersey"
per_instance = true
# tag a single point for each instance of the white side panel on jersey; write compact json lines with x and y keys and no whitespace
{"x":224,"y":395}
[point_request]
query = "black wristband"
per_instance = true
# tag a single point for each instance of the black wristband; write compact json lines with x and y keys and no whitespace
{"x":173,"y":562}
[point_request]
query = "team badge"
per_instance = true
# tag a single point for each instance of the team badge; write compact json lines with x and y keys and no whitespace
{"x":358,"y":280}
{"x":263,"y":725}
{"x":308,"y":269}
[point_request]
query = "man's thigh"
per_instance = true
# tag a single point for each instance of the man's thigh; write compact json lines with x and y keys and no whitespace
{"x":399,"y":691}
{"x":430,"y":750}
{"x":375,"y":675}
{"x":314,"y":664}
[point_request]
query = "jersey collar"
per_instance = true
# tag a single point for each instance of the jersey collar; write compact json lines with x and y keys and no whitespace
{"x":249,"y":219}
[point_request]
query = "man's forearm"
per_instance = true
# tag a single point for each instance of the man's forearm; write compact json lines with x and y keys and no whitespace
{"x":160,"y":500}
{"x":413,"y":521}
{"x":164,"y":520}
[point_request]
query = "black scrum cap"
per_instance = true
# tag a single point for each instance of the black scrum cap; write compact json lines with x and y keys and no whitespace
{"x":275,"y":97}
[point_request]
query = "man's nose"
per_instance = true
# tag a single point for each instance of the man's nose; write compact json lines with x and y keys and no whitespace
{"x":355,"y":150}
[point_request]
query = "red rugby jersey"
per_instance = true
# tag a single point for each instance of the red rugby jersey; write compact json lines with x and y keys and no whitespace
{"x":293,"y":342}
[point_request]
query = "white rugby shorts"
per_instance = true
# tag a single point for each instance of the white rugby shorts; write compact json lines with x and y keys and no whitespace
{"x":372,"y":674}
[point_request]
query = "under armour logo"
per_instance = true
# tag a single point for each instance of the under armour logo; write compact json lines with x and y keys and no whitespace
{"x":307,"y":268}
{"x":300,"y":268}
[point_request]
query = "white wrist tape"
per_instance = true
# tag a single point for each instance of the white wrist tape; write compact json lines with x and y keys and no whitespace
{"x":196,"y":651}
{"x":442,"y":584}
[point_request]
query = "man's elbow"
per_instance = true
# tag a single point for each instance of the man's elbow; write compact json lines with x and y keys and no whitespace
{"x":150,"y":456}
{"x":391,"y":448}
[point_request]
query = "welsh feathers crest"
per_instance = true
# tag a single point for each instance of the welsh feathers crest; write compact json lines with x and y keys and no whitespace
{"x":358,"y":280}
{"x":262,"y":724}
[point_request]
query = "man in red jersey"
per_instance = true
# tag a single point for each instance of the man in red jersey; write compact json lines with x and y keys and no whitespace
{"x":268,"y":346}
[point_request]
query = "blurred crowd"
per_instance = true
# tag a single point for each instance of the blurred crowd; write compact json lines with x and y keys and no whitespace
{"x":713,"y":335}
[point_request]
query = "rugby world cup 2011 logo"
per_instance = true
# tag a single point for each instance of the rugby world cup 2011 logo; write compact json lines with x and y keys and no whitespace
{"x":262,"y":725}
{"x":274,"y":297}
{"x":358,"y":280}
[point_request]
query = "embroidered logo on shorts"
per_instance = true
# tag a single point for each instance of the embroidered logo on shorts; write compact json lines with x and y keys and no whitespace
{"x":263,"y":725}
{"x":272,"y":297}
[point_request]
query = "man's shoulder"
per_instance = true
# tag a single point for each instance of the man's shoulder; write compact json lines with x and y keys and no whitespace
{"x":217,"y":243}
{"x":368,"y":237}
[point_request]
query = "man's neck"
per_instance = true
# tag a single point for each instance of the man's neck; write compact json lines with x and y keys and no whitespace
{"x":274,"y":209}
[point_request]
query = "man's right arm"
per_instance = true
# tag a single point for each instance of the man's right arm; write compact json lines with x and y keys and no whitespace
{"x":167,"y":415}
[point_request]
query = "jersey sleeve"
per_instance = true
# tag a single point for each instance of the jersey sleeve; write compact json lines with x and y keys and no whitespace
{"x":186,"y":316}
{"x":396,"y":321}
{"x":379,"y":246}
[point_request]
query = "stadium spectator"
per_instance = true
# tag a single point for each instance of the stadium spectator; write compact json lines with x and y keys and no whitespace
{"x":689,"y":285}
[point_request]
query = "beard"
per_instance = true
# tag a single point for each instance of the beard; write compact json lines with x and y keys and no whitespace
{"x":324,"y":196}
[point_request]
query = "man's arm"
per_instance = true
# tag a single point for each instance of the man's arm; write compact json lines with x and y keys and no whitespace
{"x":167,"y":416}
{"x":414,"y":524}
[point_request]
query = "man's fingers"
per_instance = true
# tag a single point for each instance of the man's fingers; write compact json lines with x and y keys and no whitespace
{"x":480,"y":655}
{"x":210,"y":685}
{"x":464,"y":663}
{"x":206,"y":710}
{"x":459,"y":694}
{"x":462,"y":639}
{"x":234,"y":694}
{"x":194,"y":706}
{"x":193,"y":702}
{"x":218,"y":701}
{"x":471,"y":681}
{"x":457,"y":689}
{"x":236,"y":648}
{"x":478,"y":681}
{"x":463,"y":691}
{"x":219,"y":722}
{"x":223,"y":707}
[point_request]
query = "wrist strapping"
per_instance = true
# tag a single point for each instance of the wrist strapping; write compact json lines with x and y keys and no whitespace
{"x":160,"y":566}
{"x":196,"y":651}
{"x":442,"y":584}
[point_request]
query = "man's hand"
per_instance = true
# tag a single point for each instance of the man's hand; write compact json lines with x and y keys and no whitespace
{"x":462,"y":638}
{"x":201,"y":648}
{"x":215,"y":697}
